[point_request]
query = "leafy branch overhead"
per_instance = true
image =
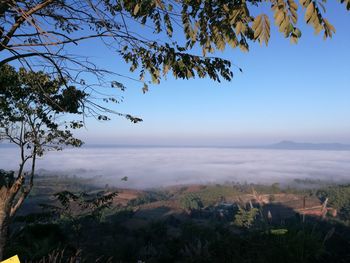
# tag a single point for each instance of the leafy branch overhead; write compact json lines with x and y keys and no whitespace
{"x":211,"y":25}
{"x":156,"y":37}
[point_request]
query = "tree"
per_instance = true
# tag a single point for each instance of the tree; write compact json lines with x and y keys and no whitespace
{"x":74,"y":208}
{"x":245,"y":218}
{"x":38,"y":33}
{"x":33,"y":107}
{"x":191,"y":202}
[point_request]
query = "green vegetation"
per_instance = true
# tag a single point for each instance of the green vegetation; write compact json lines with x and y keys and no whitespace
{"x":67,"y":228}
{"x":149,"y":197}
{"x":212,"y":194}
{"x":32,"y":106}
{"x":339,"y":198}
{"x":36,"y":240}
{"x":245,"y":217}
{"x":192,"y":243}
{"x":191,"y":202}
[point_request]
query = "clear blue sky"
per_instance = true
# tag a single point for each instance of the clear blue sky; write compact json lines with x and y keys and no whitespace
{"x":286,"y":92}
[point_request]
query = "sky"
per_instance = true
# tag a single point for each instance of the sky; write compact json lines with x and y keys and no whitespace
{"x":286,"y":92}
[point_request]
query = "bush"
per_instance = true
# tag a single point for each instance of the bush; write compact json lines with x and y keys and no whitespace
{"x":338,"y":198}
{"x":149,"y":197}
{"x":191,"y":202}
{"x":245,"y":218}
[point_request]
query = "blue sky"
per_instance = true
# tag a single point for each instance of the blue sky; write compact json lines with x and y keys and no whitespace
{"x":286,"y":92}
{"x":296,"y":92}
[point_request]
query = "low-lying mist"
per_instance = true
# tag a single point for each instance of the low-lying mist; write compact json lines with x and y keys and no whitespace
{"x":148,"y":167}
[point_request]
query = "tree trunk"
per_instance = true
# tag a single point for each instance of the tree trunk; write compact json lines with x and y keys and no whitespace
{"x":7,"y":196}
{"x":4,"y":224}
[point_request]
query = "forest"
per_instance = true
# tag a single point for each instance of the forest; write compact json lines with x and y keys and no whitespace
{"x":71,"y":218}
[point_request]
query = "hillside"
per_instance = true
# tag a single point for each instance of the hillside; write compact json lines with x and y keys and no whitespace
{"x":185,"y":223}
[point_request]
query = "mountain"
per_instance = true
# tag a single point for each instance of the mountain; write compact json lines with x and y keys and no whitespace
{"x":290,"y":145}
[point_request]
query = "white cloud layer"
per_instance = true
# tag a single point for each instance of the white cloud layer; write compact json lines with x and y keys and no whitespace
{"x":152,"y":167}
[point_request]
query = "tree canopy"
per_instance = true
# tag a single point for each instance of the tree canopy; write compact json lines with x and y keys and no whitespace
{"x":31,"y":108}
{"x":37,"y":113}
{"x":184,"y":33}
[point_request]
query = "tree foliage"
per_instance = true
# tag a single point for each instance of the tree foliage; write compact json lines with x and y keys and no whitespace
{"x":191,"y":202}
{"x":339,"y":198}
{"x":37,"y":113}
{"x":31,"y":109}
{"x":245,"y":218}
{"x":75,"y":206}
{"x":39,"y":32}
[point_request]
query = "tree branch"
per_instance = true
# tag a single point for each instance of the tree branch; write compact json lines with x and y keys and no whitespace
{"x":25,"y":15}
{"x":59,"y":42}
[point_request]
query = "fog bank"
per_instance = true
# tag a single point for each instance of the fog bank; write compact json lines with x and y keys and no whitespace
{"x":153,"y":167}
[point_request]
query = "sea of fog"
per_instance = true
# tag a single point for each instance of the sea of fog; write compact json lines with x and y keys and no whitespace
{"x":163,"y":166}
